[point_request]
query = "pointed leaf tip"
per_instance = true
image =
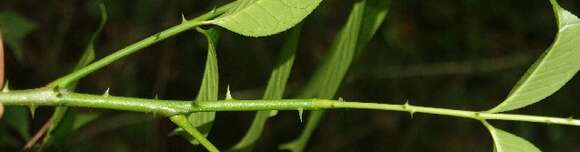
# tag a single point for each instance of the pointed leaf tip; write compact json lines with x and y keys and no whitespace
{"x":552,"y":70}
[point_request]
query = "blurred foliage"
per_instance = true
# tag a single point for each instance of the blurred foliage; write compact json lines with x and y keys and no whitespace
{"x":15,"y":27}
{"x":455,"y":54}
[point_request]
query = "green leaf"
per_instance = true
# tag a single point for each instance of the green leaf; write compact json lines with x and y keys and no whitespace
{"x":360,"y":28}
{"x":6,"y":138}
{"x":209,"y":86}
{"x":365,"y":18}
{"x":14,"y":28}
{"x":265,"y":17}
{"x":62,"y":121}
{"x":17,"y":118}
{"x":274,"y":90}
{"x":563,"y":16}
{"x":81,"y":119}
{"x":506,"y":142}
{"x":553,"y":69}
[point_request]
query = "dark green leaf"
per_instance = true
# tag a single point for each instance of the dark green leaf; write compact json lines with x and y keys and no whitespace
{"x":365,"y":18}
{"x":14,"y":28}
{"x":62,"y":121}
{"x":274,"y":90}
{"x":17,"y":118}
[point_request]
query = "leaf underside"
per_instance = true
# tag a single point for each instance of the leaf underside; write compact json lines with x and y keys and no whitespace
{"x":556,"y":66}
{"x":506,"y":142}
{"x":258,"y":18}
{"x":209,"y":86}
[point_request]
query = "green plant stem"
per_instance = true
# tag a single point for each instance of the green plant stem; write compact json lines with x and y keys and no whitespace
{"x":184,"y":26}
{"x":60,"y":97}
{"x":182,"y":122}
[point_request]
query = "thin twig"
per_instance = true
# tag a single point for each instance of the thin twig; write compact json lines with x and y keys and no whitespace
{"x":1,"y":70}
{"x":60,"y":97}
{"x":29,"y":145}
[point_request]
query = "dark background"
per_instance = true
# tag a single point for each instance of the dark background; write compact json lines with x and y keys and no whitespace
{"x":444,"y":53}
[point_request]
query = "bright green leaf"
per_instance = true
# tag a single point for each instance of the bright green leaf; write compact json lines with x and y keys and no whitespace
{"x":265,"y":17}
{"x":14,"y":29}
{"x":62,"y":121}
{"x":365,"y":18}
{"x":274,"y":90}
{"x":506,"y":142}
{"x":553,"y":69}
{"x":209,"y":86}
{"x":564,"y":17}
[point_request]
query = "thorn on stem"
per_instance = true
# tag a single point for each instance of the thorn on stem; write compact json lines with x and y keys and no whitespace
{"x":106,"y":94}
{"x":6,"y":87}
{"x":32,"y":109}
{"x":183,"y":20}
{"x":406,"y":105}
{"x":229,"y":94}
{"x":300,"y":112}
